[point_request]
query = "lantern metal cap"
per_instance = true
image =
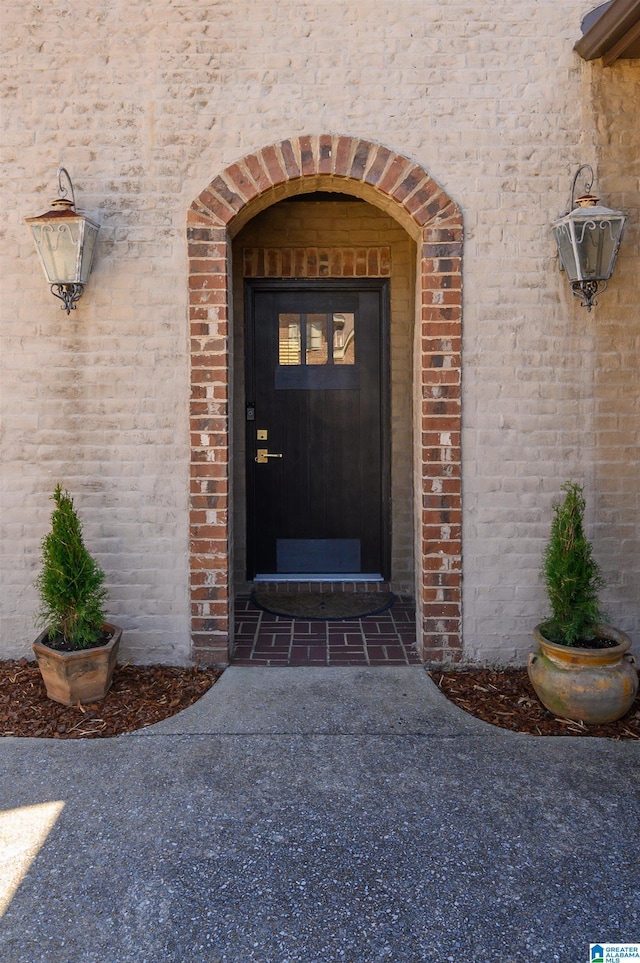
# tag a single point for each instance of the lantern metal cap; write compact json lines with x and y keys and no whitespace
{"x":61,"y":207}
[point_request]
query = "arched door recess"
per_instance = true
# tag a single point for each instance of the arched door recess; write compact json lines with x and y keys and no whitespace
{"x":409,"y":194}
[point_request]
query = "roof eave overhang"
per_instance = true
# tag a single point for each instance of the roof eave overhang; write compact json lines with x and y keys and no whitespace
{"x":614,"y":35}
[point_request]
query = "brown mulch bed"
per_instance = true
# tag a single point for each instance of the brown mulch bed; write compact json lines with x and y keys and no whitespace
{"x":506,"y":699}
{"x":144,"y":694}
{"x":139,"y":696}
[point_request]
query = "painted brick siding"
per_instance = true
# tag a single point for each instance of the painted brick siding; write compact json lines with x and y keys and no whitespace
{"x":146,"y":104}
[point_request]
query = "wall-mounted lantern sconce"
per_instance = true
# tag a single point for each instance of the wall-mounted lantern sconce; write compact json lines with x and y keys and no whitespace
{"x":588,"y":238}
{"x":65,"y":241}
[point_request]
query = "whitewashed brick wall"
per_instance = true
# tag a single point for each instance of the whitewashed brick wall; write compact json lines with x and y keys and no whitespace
{"x":145,"y":103}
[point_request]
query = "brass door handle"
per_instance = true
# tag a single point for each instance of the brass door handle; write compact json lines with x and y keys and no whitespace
{"x":263,"y":455}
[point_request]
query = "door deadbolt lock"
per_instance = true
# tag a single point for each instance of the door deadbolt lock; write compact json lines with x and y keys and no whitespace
{"x":264,"y":455}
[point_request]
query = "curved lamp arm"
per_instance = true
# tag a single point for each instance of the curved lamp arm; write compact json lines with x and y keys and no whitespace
{"x":62,"y":190}
{"x":588,"y":183}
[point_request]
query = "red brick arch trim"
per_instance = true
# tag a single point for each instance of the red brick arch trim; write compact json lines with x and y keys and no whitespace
{"x":406,"y":191}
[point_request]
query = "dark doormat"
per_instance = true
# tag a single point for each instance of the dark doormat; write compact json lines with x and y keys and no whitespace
{"x":323,"y":606}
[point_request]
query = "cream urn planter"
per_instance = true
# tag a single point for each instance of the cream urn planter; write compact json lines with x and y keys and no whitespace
{"x":590,"y":685}
{"x":84,"y":675}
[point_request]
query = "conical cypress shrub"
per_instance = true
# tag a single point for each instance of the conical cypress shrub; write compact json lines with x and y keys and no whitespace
{"x":70,"y":585}
{"x":571,"y":574}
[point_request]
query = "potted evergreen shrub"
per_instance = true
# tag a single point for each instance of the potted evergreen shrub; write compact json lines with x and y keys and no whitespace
{"x":77,"y":649}
{"x":582,"y":669}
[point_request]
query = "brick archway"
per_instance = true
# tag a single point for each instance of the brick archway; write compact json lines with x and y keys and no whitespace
{"x":407,"y":192}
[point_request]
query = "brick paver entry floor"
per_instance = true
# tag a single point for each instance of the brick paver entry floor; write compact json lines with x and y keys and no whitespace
{"x":385,"y":639}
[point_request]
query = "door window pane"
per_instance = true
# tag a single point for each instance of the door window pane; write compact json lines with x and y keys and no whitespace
{"x":319,"y":331}
{"x":317,"y":344}
{"x":344,"y":341}
{"x":289,"y":344}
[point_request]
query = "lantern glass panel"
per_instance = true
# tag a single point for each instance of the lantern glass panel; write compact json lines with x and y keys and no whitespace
{"x":595,"y":247}
{"x":588,"y":240}
{"x":57,"y":244}
{"x":563,"y":235}
{"x":599,"y":246}
{"x":88,"y":248}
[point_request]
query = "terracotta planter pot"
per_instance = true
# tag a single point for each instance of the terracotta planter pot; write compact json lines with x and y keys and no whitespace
{"x":587,"y":685}
{"x":84,"y":676}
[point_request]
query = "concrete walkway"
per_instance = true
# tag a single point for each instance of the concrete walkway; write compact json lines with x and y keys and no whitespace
{"x":318,"y":815}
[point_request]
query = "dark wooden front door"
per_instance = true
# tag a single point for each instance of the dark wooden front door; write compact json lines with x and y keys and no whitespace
{"x":317,"y":432}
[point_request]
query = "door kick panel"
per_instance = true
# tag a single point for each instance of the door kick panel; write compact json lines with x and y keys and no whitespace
{"x":317,"y":555}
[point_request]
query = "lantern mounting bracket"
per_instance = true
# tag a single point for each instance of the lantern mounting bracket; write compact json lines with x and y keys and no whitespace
{"x":586,"y":292}
{"x":68,"y":294}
